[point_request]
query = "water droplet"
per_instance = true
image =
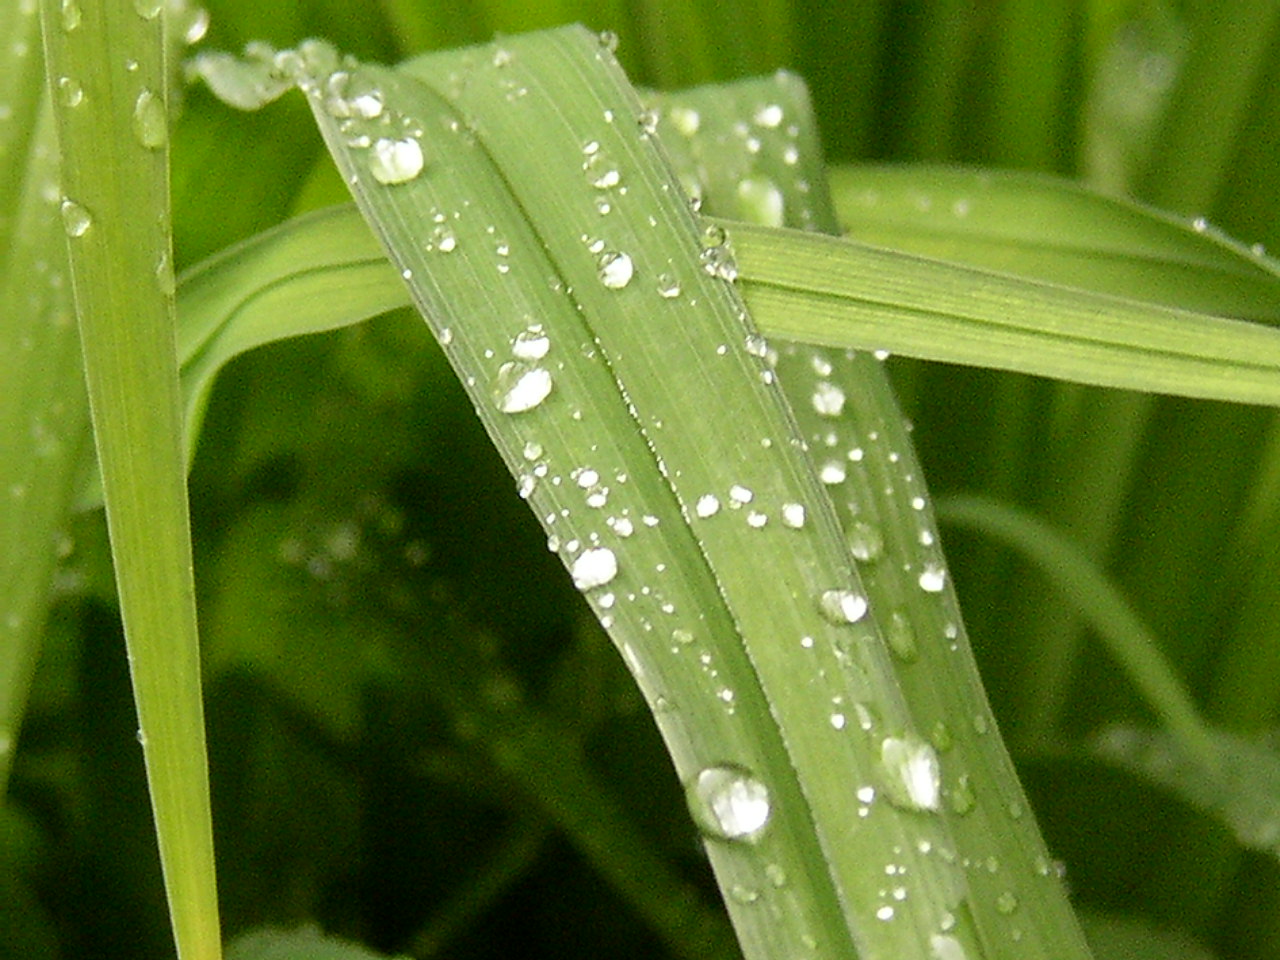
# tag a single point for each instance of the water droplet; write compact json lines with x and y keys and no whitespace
{"x":601,"y":171}
{"x":196,"y":26}
{"x":769,"y":116}
{"x":866,"y":543}
{"x":945,"y":947}
{"x":647,"y":121}
{"x":933,"y":578}
{"x":828,"y":399}
{"x":685,"y":119}
{"x":793,"y":515}
{"x":902,"y":637}
{"x":148,"y":9}
{"x":70,"y":93}
{"x":393,"y":161}
{"x":668,"y":286}
{"x":608,"y":41}
{"x":594,"y":568}
{"x":961,"y":795}
{"x":616,"y":269}
{"x":832,"y":472}
{"x":913,"y":778}
{"x":76,"y":220}
{"x":150,"y":124}
{"x":708,"y":505}
{"x":777,"y":876}
{"x":729,"y":803}
{"x":760,"y":201}
{"x":842,"y":606}
{"x":72,"y":15}
{"x":532,"y":343}
{"x":520,"y":386}
{"x":682,"y":636}
{"x":740,"y":495}
{"x":164,"y":275}
{"x":1007,"y":903}
{"x":756,"y":519}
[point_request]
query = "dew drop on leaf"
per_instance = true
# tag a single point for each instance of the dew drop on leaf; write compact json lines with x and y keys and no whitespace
{"x":686,"y":120}
{"x":828,"y":399}
{"x":70,"y":92}
{"x":532,"y":343}
{"x":943,"y":946}
{"x":616,"y":269}
{"x":842,"y":606}
{"x":393,"y":161}
{"x":793,"y":515}
{"x":76,"y":220}
{"x":594,"y":568}
{"x":761,"y":201}
{"x":901,"y":637}
{"x":912,"y":776}
{"x":150,"y":125}
{"x":729,"y":803}
{"x":932,"y":579}
{"x":520,"y":386}
{"x":708,"y":505}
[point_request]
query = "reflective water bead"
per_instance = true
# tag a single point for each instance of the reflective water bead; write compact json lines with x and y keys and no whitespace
{"x":150,"y":124}
{"x":519,"y":387}
{"x":913,"y":777}
{"x":828,"y":399}
{"x":793,"y":515}
{"x":932,"y":579}
{"x":842,"y":606}
{"x":769,"y":115}
{"x":594,"y":568}
{"x":532,"y":343}
{"x":945,"y":947}
{"x":615,"y":270}
{"x":685,"y":119}
{"x":395,"y":161}
{"x":729,"y":803}
{"x":76,"y":220}
{"x":668,"y":286}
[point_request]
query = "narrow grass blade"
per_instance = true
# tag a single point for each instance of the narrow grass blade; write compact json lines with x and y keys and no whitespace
{"x":754,"y":161}
{"x":112,"y":136}
{"x":44,"y":417}
{"x":828,"y":291}
{"x":1042,"y":228}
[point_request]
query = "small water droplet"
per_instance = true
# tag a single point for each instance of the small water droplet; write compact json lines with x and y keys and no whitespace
{"x":708,"y":505}
{"x":615,"y":269}
{"x":668,"y":286}
{"x":520,"y":386}
{"x":793,"y":515}
{"x":195,"y":26}
{"x":945,"y":947}
{"x":647,"y":121}
{"x":608,"y":41}
{"x":685,"y":119}
{"x":76,"y":220}
{"x":532,"y":343}
{"x":769,"y":116}
{"x":777,"y":876}
{"x":148,"y":9}
{"x":913,"y":778}
{"x":594,"y":568}
{"x":729,"y":803}
{"x":72,"y":15}
{"x":740,"y":495}
{"x":961,"y":795}
{"x":828,"y":399}
{"x":901,"y":637}
{"x":866,"y":543}
{"x":601,"y":171}
{"x":842,"y":606}
{"x":70,"y":92}
{"x":393,"y":161}
{"x":1007,"y":903}
{"x":832,"y":472}
{"x":150,"y":124}
{"x":933,"y":578}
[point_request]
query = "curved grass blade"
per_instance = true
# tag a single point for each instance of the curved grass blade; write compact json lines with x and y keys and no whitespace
{"x":113,"y":138}
{"x":1056,"y":231}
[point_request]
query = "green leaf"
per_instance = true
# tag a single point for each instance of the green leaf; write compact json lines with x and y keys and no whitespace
{"x":107,"y":61}
{"x":836,"y":292}
{"x":1043,"y":228}
{"x":306,"y":943}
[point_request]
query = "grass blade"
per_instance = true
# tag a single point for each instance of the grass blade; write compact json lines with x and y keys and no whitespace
{"x":112,"y":135}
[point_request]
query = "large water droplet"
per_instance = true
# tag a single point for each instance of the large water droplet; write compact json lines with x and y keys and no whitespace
{"x":913,"y":777}
{"x":520,"y":386}
{"x":842,"y":606}
{"x":866,"y":543}
{"x":616,"y":269}
{"x":793,"y":515}
{"x":729,"y":803}
{"x":150,"y":124}
{"x":594,"y":568}
{"x":72,"y":15}
{"x":76,"y":220}
{"x":686,"y":120}
{"x":668,"y":286}
{"x":394,"y":161}
{"x":708,"y":505}
{"x":932,"y":578}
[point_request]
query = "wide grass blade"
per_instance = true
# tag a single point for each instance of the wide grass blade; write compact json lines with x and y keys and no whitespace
{"x":112,"y":132}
